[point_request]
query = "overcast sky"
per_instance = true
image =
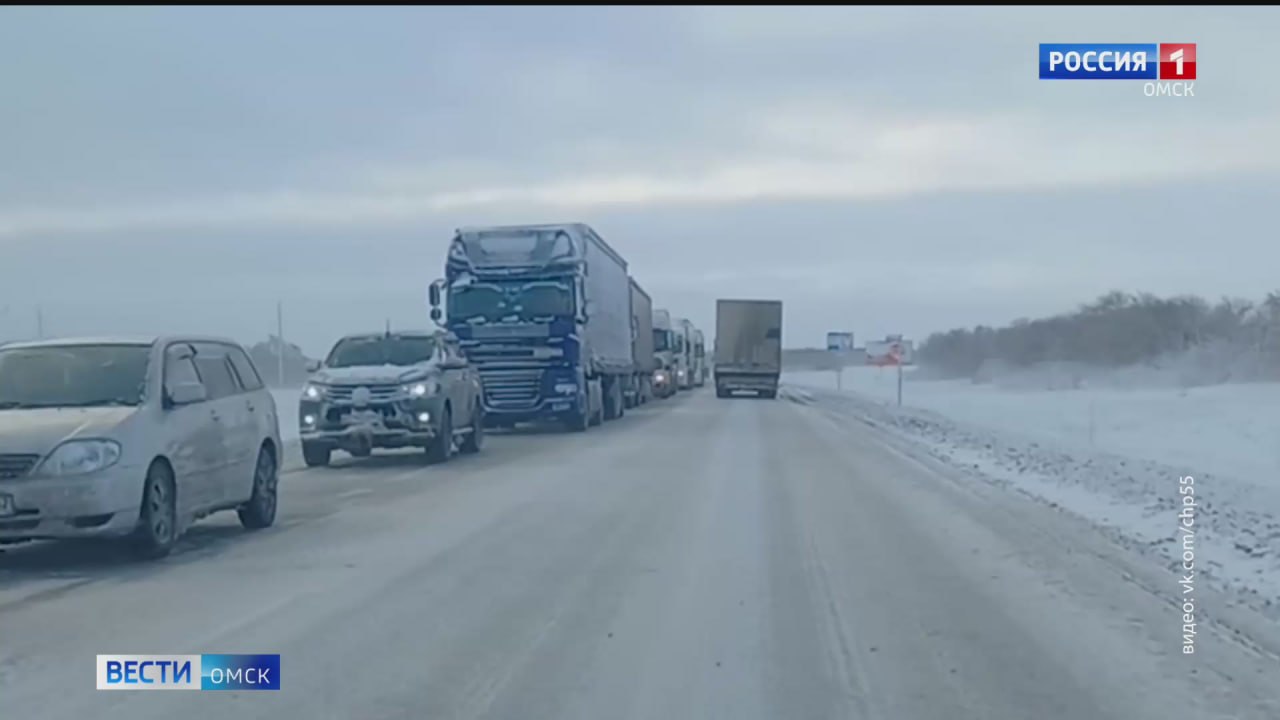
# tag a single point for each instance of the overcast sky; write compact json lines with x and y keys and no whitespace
{"x":879,"y":170}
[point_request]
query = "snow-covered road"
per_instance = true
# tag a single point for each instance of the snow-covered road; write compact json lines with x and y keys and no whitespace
{"x":699,"y":558}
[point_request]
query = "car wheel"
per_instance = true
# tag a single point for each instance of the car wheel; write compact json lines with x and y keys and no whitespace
{"x":157,"y":518}
{"x":474,"y":440}
{"x":441,"y":448}
{"x":316,"y":455}
{"x":260,"y":511}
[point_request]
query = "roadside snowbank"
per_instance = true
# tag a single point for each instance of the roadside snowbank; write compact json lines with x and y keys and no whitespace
{"x":1225,"y":430}
{"x":1126,"y":482}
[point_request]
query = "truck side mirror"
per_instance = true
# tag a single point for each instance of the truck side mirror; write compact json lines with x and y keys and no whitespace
{"x":433,"y":296}
{"x":588,"y":309}
{"x":436,"y":314}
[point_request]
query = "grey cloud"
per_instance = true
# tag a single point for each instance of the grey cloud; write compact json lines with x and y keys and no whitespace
{"x":879,"y":169}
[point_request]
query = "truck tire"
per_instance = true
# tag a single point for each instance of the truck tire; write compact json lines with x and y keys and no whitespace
{"x":619,"y":400}
{"x":580,"y":419}
{"x":722,"y":393}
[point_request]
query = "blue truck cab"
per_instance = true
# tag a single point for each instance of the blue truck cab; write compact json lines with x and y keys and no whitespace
{"x":544,"y":313}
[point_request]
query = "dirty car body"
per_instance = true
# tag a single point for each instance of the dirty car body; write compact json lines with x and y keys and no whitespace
{"x":86,"y":423}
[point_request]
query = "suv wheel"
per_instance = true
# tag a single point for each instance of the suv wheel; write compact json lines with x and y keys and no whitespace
{"x":474,"y":440}
{"x":315,"y":454}
{"x":260,"y":511}
{"x":441,"y":448}
{"x":157,"y":519}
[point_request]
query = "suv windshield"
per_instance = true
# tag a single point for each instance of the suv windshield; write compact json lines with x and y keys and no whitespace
{"x":73,"y":375}
{"x":394,"y":350}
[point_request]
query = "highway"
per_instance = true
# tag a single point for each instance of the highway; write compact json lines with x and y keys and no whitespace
{"x":698,"y":559}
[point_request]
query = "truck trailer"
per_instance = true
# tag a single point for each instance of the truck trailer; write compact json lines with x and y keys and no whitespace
{"x":544,"y":312}
{"x":640,"y":388}
{"x":748,"y":347}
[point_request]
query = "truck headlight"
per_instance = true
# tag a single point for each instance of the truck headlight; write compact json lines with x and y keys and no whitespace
{"x":660,"y":376}
{"x":566,"y":388}
{"x":312,"y":392}
{"x":77,"y":457}
{"x":422,"y":389}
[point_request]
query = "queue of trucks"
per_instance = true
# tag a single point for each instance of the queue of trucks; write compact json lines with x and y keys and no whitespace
{"x":537,"y":323}
{"x":558,"y":329}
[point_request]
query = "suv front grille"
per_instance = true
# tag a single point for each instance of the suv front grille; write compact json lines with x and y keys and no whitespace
{"x":16,"y":466}
{"x":511,"y":389}
{"x":377,"y":393}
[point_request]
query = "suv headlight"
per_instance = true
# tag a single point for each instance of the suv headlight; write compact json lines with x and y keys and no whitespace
{"x":422,"y":389}
{"x":312,"y":392}
{"x":77,"y":457}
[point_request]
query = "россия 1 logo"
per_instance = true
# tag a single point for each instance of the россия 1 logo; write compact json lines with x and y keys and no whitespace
{"x":1174,"y":64}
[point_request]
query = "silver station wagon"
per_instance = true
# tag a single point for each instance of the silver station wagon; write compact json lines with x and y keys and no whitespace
{"x":112,"y":437}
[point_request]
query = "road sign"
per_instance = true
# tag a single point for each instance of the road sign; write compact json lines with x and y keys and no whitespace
{"x":839,"y":341}
{"x":890,"y":352}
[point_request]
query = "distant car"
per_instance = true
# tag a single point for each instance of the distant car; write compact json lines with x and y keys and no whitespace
{"x":138,"y":438}
{"x":392,"y":390}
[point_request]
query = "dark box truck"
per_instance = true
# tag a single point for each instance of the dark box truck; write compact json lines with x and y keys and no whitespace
{"x":748,"y":347}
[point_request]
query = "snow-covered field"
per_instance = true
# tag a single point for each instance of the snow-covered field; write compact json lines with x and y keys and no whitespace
{"x":1113,"y":456}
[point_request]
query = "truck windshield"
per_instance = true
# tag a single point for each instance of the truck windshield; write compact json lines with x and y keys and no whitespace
{"x":660,"y":341}
{"x":394,"y":350}
{"x":73,"y":376}
{"x":545,"y":299}
{"x":525,"y":300}
{"x":484,"y":302}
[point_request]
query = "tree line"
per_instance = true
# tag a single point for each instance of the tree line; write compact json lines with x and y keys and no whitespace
{"x":1239,"y":338}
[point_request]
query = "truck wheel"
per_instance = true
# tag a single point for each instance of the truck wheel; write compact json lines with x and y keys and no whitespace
{"x":441,"y":448}
{"x":315,"y":454}
{"x":722,"y":393}
{"x":579,"y":420}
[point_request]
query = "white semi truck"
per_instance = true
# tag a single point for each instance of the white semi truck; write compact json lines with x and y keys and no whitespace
{"x":665,"y":354}
{"x":685,"y":334}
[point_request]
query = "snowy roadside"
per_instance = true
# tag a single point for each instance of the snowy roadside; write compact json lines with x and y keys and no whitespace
{"x":287,"y":409}
{"x":1134,"y":501}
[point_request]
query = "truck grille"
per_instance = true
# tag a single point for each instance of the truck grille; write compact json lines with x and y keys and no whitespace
{"x":16,"y":466}
{"x":511,"y":389}
{"x":377,"y":393}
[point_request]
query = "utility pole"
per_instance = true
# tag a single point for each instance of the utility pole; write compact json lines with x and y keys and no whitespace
{"x":899,"y":383}
{"x":280,"y":340}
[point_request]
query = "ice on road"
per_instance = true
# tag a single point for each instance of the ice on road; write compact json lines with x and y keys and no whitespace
{"x":699,"y":558}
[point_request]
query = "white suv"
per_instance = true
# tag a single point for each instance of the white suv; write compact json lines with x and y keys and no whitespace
{"x":136,"y":438}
